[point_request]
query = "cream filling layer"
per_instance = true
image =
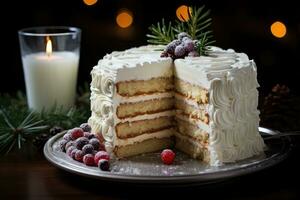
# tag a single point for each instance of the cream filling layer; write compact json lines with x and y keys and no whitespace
{"x":196,"y":122}
{"x":168,"y":113}
{"x":159,"y":134}
{"x":97,"y":96}
{"x":119,"y":99}
{"x":191,"y":102}
{"x":192,"y":141}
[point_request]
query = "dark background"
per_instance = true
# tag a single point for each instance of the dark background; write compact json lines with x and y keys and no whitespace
{"x":241,"y":25}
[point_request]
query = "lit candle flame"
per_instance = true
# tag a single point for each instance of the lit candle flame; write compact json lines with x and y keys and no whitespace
{"x":48,"y":47}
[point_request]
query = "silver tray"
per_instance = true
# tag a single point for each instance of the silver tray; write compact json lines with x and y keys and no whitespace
{"x":148,"y":168}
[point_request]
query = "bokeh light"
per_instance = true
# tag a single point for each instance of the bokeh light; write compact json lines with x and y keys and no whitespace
{"x":278,"y":29}
{"x":124,"y":18}
{"x":182,"y":13}
{"x":89,"y":2}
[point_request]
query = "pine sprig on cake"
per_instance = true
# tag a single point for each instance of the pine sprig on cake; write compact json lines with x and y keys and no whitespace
{"x":187,"y":37}
{"x":197,"y":25}
{"x":161,"y":33}
{"x":203,"y":43}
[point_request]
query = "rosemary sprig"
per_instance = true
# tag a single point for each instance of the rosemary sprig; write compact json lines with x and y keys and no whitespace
{"x":161,"y":33}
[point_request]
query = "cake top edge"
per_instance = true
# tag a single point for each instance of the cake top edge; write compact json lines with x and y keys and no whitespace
{"x":133,"y":57}
{"x":151,"y":54}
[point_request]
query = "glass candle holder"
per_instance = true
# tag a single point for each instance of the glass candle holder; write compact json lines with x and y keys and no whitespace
{"x":50,"y":57}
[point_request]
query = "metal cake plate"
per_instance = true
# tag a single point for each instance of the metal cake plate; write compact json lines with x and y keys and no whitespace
{"x":148,"y":168}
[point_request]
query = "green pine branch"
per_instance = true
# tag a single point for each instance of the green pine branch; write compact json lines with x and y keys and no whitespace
{"x":161,"y":33}
{"x":197,"y":26}
{"x":19,"y":125}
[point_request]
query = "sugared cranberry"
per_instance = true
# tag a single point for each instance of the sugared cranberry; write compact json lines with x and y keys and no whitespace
{"x":69,"y":144}
{"x":88,"y":159}
{"x":86,"y":127}
{"x":79,"y":155}
{"x":76,"y":133}
{"x":67,"y":137}
{"x":69,"y":150}
{"x":101,"y":155}
{"x":95,"y":143}
{"x":73,"y":152}
{"x":167,"y":156}
{"x":89,"y":135}
{"x":80,"y":142}
{"x":62,"y":145}
{"x":87,"y":149}
{"x":103,"y":164}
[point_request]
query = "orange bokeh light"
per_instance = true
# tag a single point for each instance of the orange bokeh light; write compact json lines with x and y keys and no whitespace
{"x":182,"y":13}
{"x":278,"y":29}
{"x":124,"y":18}
{"x":90,"y":2}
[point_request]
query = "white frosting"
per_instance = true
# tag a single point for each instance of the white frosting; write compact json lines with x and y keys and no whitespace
{"x":233,"y":97}
{"x":140,"y":63}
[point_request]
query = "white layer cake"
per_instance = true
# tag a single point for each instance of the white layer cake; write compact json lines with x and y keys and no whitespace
{"x":206,"y":106}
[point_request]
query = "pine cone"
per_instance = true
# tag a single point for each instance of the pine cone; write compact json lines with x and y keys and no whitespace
{"x":280,"y":109}
{"x":56,"y":129}
{"x":40,"y":140}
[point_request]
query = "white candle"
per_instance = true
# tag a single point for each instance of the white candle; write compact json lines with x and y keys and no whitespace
{"x":50,"y":79}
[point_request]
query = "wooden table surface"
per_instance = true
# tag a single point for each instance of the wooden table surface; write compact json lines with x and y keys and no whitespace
{"x":33,"y":177}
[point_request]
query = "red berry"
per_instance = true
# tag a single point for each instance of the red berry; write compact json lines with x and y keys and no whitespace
{"x":76,"y":133}
{"x":62,"y":144}
{"x":79,"y":155}
{"x":69,"y":144}
{"x":89,"y":135}
{"x":103,"y":164}
{"x":95,"y":142}
{"x":80,"y":142}
{"x":189,"y":45}
{"x":87,"y":149}
{"x":101,"y":155}
{"x":183,"y":35}
{"x":69,"y":150}
{"x":73,"y":152}
{"x":88,"y":159}
{"x":167,"y":156}
{"x":86,"y":127}
{"x":179,"y":51}
{"x":67,"y":137}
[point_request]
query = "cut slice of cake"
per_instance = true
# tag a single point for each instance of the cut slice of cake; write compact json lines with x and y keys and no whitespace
{"x":132,"y":101}
{"x":216,"y":107}
{"x":206,"y":106}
